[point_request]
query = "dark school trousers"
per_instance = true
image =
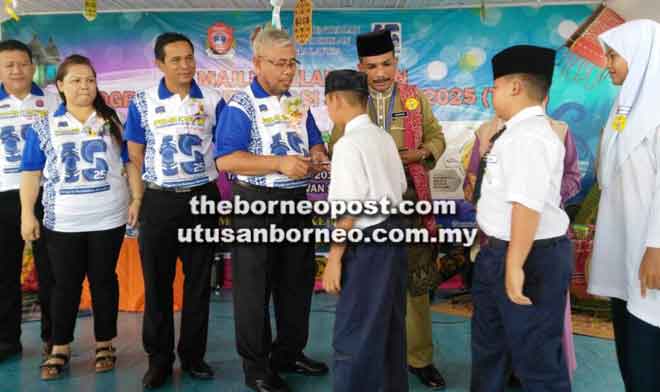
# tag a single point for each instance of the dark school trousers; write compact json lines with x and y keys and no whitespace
{"x":370,"y":319}
{"x":529,"y":336}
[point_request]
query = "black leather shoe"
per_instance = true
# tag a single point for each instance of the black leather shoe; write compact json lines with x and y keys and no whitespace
{"x":199,"y":369}
{"x":8,"y":351}
{"x":271,"y":383}
{"x":156,"y":377}
{"x":429,"y":376}
{"x":302,"y":365}
{"x":514,"y":382}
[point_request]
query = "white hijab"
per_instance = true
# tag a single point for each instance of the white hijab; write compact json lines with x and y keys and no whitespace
{"x":638,"y":103}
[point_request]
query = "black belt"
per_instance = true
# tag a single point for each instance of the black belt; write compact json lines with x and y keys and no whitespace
{"x":268,"y":189}
{"x":175,"y":189}
{"x":546,"y":242}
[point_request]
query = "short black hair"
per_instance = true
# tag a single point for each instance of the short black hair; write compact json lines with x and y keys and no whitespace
{"x":353,"y":98}
{"x":166,"y":39}
{"x":537,"y":86}
{"x":12,"y":44}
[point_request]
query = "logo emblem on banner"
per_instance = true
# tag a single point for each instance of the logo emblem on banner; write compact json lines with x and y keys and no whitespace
{"x":220,"y":41}
{"x":395,"y":31}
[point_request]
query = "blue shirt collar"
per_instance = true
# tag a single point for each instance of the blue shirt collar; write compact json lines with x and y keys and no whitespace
{"x":259,"y":91}
{"x":164,"y":93}
{"x":61,"y":110}
{"x":34,"y":90}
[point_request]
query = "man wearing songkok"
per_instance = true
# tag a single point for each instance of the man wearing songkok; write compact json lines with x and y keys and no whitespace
{"x":406,"y":114}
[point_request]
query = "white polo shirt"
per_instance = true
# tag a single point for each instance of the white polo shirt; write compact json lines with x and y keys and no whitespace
{"x":525,"y":166}
{"x":178,"y":134}
{"x":83,"y":169}
{"x":16,"y":116}
{"x":366,"y":166}
{"x":266,"y":125}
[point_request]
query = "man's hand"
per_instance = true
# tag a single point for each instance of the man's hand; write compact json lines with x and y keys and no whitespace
{"x":134,"y":212}
{"x":332,"y":274}
{"x":412,"y":156}
{"x":294,"y":167}
{"x":515,"y":281}
{"x":649,"y":270}
{"x":30,"y":227}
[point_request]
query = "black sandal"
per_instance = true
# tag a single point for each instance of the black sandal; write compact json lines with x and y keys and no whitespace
{"x":105,"y":359}
{"x":53,"y":371}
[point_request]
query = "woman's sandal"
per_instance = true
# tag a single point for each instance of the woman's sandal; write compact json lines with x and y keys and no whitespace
{"x":54,"y":365}
{"x":46,"y":350}
{"x":105,"y":359}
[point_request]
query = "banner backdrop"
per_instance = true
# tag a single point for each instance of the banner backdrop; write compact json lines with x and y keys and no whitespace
{"x":445,"y":52}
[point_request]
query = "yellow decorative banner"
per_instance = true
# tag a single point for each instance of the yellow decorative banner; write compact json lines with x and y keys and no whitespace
{"x":302,"y":21}
{"x":10,"y":8}
{"x":89,"y":9}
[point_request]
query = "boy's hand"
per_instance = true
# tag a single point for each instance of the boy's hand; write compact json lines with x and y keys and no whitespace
{"x":320,"y":161}
{"x":649,"y":270}
{"x":332,"y":274}
{"x":515,"y":280}
{"x":524,"y":222}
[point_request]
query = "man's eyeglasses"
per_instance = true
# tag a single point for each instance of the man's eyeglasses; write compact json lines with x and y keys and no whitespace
{"x":282,"y":64}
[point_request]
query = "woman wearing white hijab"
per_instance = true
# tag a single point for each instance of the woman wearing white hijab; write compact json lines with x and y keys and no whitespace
{"x":626,"y":257}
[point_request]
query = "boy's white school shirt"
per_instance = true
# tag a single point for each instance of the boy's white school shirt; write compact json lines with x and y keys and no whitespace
{"x":366,"y":166}
{"x":524,"y":166}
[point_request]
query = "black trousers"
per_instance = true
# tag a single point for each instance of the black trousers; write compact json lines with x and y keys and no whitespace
{"x":162,"y":214}
{"x":76,"y":255}
{"x":530,"y":336}
{"x":286,"y":270}
{"x":637,"y":349}
{"x":11,"y":263}
{"x":370,"y":323}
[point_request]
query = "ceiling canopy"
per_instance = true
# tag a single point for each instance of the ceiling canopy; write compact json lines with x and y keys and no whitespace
{"x":627,"y":8}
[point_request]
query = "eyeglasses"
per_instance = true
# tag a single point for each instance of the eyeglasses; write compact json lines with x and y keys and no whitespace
{"x":282,"y":64}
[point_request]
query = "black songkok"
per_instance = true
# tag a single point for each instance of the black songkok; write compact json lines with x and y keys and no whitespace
{"x":374,"y":43}
{"x":524,"y":59}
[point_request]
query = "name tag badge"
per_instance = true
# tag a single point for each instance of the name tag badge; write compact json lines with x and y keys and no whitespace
{"x":399,"y":114}
{"x":491,"y":159}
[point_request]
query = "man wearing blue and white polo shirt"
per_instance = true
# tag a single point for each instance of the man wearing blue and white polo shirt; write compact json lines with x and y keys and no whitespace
{"x":170,"y":130}
{"x":273,"y":146}
{"x":22,"y":103}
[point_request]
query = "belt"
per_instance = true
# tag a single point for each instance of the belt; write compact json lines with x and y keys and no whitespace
{"x":546,"y":242}
{"x":268,"y":189}
{"x":175,"y":189}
